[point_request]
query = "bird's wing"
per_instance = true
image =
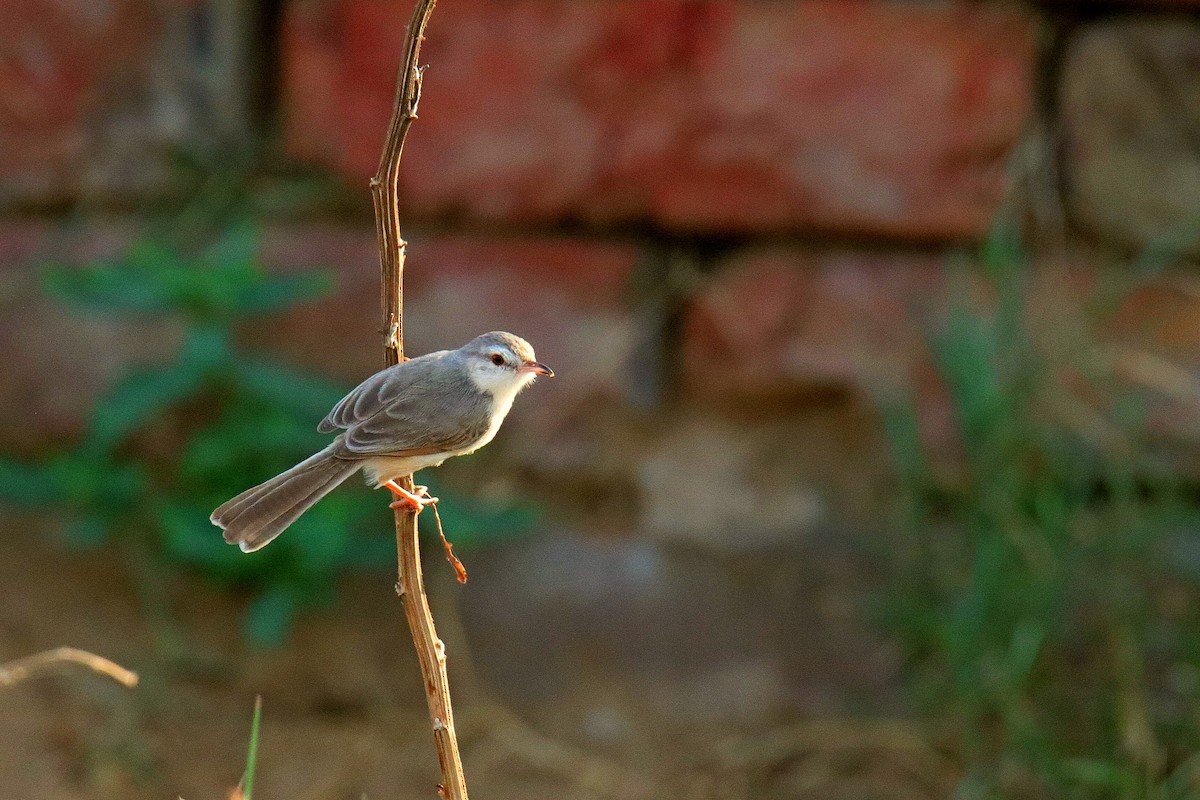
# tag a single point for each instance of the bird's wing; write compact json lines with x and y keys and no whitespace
{"x":418,"y":407}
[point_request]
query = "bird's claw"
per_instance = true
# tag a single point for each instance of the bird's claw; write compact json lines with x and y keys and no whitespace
{"x":415,"y":500}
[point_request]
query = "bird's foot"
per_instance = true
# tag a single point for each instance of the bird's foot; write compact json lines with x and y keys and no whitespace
{"x":415,"y":500}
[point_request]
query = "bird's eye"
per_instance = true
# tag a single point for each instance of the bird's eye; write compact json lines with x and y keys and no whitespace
{"x":497,"y":359}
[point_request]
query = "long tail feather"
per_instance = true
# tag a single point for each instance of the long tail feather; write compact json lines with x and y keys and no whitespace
{"x":256,"y":516}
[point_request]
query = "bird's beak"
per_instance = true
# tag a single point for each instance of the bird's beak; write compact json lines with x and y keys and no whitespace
{"x":536,"y":369}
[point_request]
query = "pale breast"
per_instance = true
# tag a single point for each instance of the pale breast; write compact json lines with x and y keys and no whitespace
{"x":498,"y":414}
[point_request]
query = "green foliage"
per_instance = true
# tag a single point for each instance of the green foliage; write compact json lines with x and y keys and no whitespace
{"x":247,"y":782}
{"x":167,"y":443}
{"x":1046,"y":593}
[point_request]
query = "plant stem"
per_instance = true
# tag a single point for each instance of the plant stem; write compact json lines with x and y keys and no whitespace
{"x":252,"y":751}
{"x":431,"y":652}
{"x":13,"y":672}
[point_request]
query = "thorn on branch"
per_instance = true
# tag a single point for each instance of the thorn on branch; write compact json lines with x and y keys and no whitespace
{"x":418,"y":78}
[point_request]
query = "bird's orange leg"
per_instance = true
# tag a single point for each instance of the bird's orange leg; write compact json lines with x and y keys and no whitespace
{"x":406,"y":499}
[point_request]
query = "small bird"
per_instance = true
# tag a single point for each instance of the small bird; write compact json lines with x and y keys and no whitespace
{"x":405,"y":418}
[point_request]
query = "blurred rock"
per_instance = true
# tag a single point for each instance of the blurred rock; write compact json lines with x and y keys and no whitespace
{"x":757,"y":485}
{"x":100,"y":97}
{"x":878,"y":118}
{"x":1130,"y":90}
{"x":775,"y":325}
{"x":621,"y":628}
{"x":726,"y":487}
{"x":60,"y":60}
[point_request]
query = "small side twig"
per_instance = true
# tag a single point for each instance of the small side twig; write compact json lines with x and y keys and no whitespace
{"x":431,"y":652}
{"x":13,"y":672}
{"x":460,"y":572}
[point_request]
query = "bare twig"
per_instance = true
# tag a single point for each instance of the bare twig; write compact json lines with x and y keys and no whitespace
{"x":431,"y":653}
{"x":460,"y":572}
{"x":13,"y":672}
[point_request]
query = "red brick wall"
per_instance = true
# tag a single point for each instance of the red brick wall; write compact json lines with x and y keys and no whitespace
{"x":720,"y":220}
{"x":880,"y":119}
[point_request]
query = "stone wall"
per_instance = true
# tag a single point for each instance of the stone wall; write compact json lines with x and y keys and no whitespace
{"x":722,"y":222}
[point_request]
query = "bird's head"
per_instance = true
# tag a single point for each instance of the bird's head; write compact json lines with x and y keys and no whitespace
{"x":501,"y":363}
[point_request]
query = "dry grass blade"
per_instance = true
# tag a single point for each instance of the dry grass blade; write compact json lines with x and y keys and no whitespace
{"x":13,"y":672}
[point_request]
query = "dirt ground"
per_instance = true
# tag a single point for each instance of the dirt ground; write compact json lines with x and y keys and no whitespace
{"x":581,"y":668}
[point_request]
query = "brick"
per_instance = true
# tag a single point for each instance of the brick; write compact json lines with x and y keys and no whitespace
{"x":802,"y":473}
{"x":101,"y":98}
{"x":879,"y":118}
{"x":58,"y":360}
{"x":875,"y":118}
{"x":1131,"y":166}
{"x":456,"y":286}
{"x":780,"y":323}
{"x":1157,"y":5}
{"x":60,"y":60}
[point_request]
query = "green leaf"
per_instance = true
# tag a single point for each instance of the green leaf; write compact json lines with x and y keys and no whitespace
{"x":190,"y":538}
{"x":1098,"y":773}
{"x":903,"y":434}
{"x":270,"y":617}
{"x":148,"y":255}
{"x":470,"y":523}
{"x":248,"y":443}
{"x":236,"y":250}
{"x":282,"y":291}
{"x":105,"y":287}
{"x":87,"y":532}
{"x":154,"y":277}
{"x":140,"y":281}
{"x":968,"y":362}
{"x":206,"y":348}
{"x":94,"y":480}
{"x":252,"y":751}
{"x":287,"y":389}
{"x":317,"y":541}
{"x":136,"y":399}
{"x":1003,"y":250}
{"x":29,"y":484}
{"x":1026,"y":645}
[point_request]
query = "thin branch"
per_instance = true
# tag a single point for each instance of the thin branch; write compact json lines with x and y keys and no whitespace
{"x":13,"y":672}
{"x":431,"y":653}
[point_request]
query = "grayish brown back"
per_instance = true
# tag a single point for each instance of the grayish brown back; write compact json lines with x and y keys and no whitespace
{"x":426,"y":405}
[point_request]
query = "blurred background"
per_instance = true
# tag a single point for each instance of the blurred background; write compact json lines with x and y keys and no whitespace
{"x":872,"y":466}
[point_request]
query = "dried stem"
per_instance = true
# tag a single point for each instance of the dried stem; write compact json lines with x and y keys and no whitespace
{"x":409,"y":585}
{"x":13,"y":672}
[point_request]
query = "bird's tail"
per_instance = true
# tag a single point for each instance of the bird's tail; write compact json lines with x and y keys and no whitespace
{"x":256,"y":516}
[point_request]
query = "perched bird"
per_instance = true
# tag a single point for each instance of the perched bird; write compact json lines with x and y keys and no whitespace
{"x":405,"y":418}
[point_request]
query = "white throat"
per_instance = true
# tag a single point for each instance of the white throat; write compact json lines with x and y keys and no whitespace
{"x":503,"y":385}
